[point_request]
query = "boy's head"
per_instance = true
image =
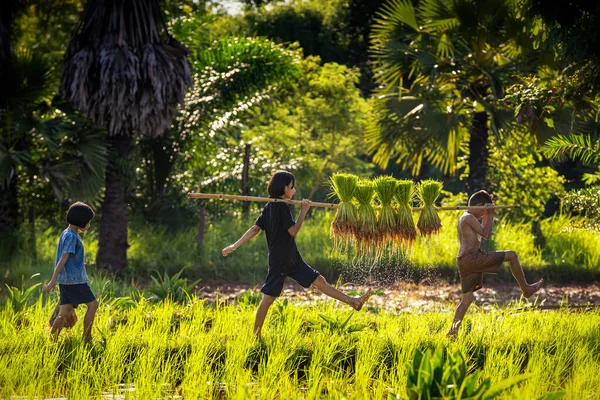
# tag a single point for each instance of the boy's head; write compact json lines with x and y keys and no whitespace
{"x":281,"y":183}
{"x":480,"y":198}
{"x":80,"y":215}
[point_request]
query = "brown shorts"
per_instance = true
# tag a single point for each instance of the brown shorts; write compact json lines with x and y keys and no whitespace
{"x":473,"y":264}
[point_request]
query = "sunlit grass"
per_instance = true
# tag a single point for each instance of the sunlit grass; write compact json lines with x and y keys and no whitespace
{"x":206,"y":351}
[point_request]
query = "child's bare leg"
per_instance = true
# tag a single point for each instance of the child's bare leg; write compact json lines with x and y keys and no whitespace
{"x":355,"y":302}
{"x":261,"y":313}
{"x":63,"y":313}
{"x":88,"y":320}
{"x":461,"y":310}
{"x":517,"y":271}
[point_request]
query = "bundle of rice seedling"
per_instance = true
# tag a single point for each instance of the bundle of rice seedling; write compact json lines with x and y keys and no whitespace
{"x":429,"y":221}
{"x":405,"y":230}
{"x":385,"y":188}
{"x":367,"y":221}
{"x":344,"y":225}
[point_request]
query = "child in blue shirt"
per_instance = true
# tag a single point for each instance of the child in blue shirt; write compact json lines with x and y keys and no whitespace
{"x":284,"y":258}
{"x":69,"y":272}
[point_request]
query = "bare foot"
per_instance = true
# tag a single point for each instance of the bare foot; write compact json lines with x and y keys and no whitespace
{"x":360,"y":302}
{"x":452,"y":334}
{"x":532,"y":289}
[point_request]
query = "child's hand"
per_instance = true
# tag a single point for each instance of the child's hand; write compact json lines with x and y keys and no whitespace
{"x":50,"y":287}
{"x":490,"y":207}
{"x":305,"y":205}
{"x":227,"y":250}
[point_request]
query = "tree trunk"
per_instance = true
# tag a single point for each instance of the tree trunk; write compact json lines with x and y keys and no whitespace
{"x":478,"y":153}
{"x":246,"y":181}
{"x":201,"y":227}
{"x":112,"y":242}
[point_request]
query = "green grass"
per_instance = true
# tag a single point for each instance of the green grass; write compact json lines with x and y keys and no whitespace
{"x":566,"y":255}
{"x":205,"y":351}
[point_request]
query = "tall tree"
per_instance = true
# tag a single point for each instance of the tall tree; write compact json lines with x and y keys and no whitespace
{"x":442,"y":70}
{"x":125,"y":72}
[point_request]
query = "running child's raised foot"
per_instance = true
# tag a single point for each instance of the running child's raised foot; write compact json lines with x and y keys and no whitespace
{"x":360,"y":301}
{"x":533,"y":288}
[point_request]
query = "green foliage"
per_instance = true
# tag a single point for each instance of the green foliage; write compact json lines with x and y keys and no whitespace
{"x":455,"y":69}
{"x":443,"y":374}
{"x":517,"y":175}
{"x":206,"y":144}
{"x":317,"y":129}
{"x":172,"y":288}
{"x":18,"y":298}
{"x":47,"y":151}
{"x":578,"y":147}
{"x":586,"y":203}
{"x":249,"y":298}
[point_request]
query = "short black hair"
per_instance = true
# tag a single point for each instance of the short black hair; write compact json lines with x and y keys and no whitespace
{"x":278,"y":182}
{"x":80,"y":214}
{"x":480,"y":198}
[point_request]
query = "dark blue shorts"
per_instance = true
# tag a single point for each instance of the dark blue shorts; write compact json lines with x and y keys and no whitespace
{"x":76,"y":294}
{"x":301,"y":273}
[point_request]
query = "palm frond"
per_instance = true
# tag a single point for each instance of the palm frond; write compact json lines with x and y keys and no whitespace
{"x":394,"y":12}
{"x":577,"y":147}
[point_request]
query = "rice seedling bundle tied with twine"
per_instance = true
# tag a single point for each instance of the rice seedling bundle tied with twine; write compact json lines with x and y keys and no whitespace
{"x":385,"y":188}
{"x":367,"y":220}
{"x":429,"y":221}
{"x":345,"y":224}
{"x":405,"y":231}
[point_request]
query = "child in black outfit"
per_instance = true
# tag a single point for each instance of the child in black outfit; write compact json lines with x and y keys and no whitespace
{"x":284,"y":258}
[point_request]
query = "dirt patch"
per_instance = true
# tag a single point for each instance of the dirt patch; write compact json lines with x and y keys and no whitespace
{"x":427,"y":296}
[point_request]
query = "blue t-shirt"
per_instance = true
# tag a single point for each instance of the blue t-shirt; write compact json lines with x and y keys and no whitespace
{"x":73,"y":273}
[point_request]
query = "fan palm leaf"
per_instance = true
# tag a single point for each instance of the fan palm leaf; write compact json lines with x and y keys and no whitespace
{"x":123,"y":70}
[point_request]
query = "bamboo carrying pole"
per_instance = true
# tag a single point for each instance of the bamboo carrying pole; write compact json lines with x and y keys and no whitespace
{"x":315,"y":204}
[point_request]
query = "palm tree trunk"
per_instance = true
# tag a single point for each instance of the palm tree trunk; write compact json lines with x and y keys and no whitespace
{"x":112,"y":242}
{"x":478,"y":153}
{"x":246,"y":181}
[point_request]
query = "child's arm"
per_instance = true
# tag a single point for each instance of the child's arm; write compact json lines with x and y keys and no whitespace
{"x":484,"y":230}
{"x":50,"y":287}
{"x":250,"y":233}
{"x":294,"y":229}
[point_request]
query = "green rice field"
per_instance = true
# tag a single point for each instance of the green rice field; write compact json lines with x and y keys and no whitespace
{"x":201,"y":350}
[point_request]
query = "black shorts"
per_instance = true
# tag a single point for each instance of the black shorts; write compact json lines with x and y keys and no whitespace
{"x":301,"y":273}
{"x":76,"y":294}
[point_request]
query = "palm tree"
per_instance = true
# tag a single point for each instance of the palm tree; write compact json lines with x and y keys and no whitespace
{"x":124,"y":72}
{"x":442,"y":69}
{"x":47,"y":152}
